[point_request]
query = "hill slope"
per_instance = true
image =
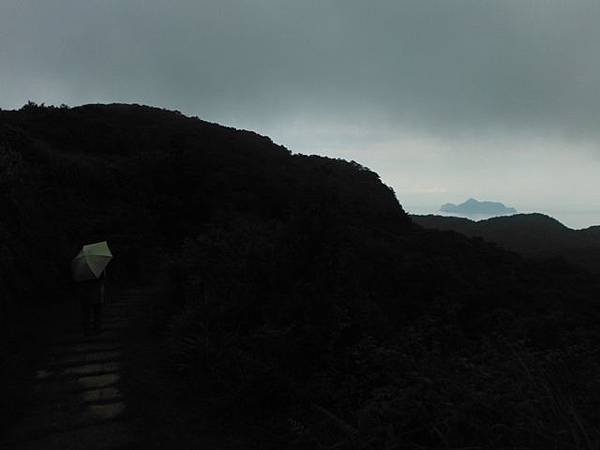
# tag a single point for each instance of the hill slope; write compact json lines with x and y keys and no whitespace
{"x":305,"y":310}
{"x":534,"y":235}
{"x":130,"y":173}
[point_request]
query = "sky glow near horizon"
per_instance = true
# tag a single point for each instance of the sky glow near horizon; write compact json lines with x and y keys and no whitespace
{"x":497,"y":100}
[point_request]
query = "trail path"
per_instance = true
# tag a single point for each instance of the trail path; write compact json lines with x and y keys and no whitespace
{"x":77,"y":402}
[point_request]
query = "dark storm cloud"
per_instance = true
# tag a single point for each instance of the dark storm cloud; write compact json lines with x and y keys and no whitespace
{"x":448,"y":64}
{"x":446,"y":99}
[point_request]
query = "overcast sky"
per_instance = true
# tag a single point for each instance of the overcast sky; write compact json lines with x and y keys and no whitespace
{"x":447,"y":99}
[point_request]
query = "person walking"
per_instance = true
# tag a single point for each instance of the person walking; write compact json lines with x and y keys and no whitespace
{"x":89,"y":269}
{"x":92,"y":299}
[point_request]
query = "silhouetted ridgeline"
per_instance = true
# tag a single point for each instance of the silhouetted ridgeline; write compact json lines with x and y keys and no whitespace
{"x":310,"y":311}
{"x":534,"y":235}
{"x":145,"y":178}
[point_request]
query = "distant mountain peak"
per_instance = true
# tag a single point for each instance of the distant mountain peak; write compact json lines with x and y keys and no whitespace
{"x":475,"y":207}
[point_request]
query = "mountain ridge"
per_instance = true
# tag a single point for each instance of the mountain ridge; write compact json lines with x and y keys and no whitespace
{"x":535,"y":235}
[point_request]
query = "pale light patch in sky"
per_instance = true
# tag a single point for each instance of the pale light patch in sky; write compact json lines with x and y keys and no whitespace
{"x":529,"y":172}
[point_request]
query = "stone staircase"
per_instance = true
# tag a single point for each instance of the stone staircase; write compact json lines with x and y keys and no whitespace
{"x":76,"y":400}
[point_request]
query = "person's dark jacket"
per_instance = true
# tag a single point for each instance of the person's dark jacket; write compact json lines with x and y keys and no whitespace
{"x":93,"y":291}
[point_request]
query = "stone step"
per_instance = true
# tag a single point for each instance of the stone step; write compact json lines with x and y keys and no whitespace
{"x":79,"y":338}
{"x":58,"y":387}
{"x":75,"y":331}
{"x":115,"y":317}
{"x":68,"y":361}
{"x":111,"y":435}
{"x":109,"y":394}
{"x":43,"y":429}
{"x":121,"y":313}
{"x":123,"y":307}
{"x":129,"y":300}
{"x":77,"y":371}
{"x":81,"y":358}
{"x":99,"y":381}
{"x":122,"y":310}
{"x":114,"y":321}
{"x":115,"y":324}
{"x":79,"y":349}
{"x":75,"y":391}
{"x":117,"y":306}
{"x":135,"y":291}
{"x":75,"y":400}
{"x":110,"y":315}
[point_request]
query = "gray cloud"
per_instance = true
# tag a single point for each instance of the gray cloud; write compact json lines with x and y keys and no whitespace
{"x":464,"y":63}
{"x":328,"y":76}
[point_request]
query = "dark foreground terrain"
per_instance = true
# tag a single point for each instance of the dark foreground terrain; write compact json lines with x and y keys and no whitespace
{"x":295,"y":304}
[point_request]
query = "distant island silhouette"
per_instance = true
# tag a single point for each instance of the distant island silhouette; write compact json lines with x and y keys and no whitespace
{"x":474,"y":207}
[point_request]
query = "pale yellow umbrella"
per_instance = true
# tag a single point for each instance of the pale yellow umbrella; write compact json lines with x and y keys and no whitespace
{"x":91,"y":261}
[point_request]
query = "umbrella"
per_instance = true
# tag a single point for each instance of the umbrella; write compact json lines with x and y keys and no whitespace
{"x":91,"y":261}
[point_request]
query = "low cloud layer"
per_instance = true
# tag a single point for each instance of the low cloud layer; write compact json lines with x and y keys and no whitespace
{"x":464,"y":81}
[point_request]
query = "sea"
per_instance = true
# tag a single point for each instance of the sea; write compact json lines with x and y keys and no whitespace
{"x":576,"y":220}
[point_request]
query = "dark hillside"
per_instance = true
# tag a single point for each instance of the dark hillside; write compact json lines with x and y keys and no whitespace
{"x":136,"y":173}
{"x":304,"y":308}
{"x":533,"y":235}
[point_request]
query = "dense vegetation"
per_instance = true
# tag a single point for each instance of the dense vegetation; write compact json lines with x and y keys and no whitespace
{"x":535,"y":235}
{"x":306,"y":310}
